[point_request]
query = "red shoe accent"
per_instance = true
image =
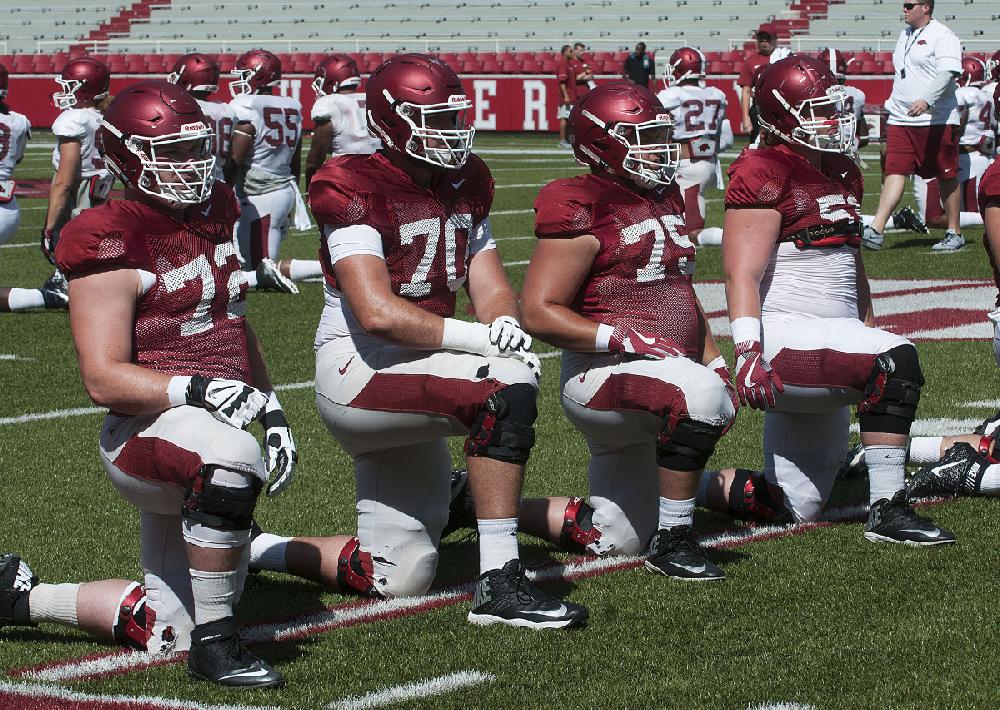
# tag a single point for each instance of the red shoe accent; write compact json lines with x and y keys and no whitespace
{"x":578,"y":529}
{"x":135,"y":619}
{"x":355,"y":572}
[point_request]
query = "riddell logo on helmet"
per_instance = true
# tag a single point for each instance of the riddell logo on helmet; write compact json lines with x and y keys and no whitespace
{"x":663,"y":117}
{"x":192,"y":127}
{"x":456,"y":99}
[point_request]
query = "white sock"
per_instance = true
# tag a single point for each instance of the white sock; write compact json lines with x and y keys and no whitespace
{"x":701,"y":498}
{"x":990,"y":485}
{"x":21,"y":299}
{"x":886,"y":471}
{"x":251,"y":278}
{"x":55,"y":603}
{"x":214,"y":594}
{"x":969,"y":219}
{"x":497,"y":543}
{"x":710,"y":237}
{"x":299,"y":269}
{"x":925,"y":449}
{"x":267,"y":551}
{"x":675,"y":512}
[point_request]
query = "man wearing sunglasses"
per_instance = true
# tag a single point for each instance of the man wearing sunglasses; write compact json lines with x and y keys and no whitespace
{"x":922,"y":136}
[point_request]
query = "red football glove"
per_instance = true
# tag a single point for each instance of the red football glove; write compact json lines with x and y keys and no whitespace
{"x":646,"y":345}
{"x":46,"y":245}
{"x":756,"y":382}
{"x":723,"y":372}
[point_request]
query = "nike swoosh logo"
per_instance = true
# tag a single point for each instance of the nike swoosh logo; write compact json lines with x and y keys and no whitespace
{"x":343,"y":370}
{"x":747,"y":382}
{"x":692,"y":570}
{"x":843,"y":175}
{"x":935,"y":534}
{"x":647,"y":341}
{"x":561,"y":611}
{"x":953,"y":464}
{"x":205,"y":211}
{"x":246,"y":673}
{"x":458,"y":183}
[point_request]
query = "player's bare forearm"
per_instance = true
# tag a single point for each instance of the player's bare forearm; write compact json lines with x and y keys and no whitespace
{"x":748,"y":238}
{"x":258,"y":366}
{"x":297,"y":162}
{"x":489,"y":290}
{"x":239,"y":151}
{"x":865,"y":309}
{"x":561,"y":327}
{"x":101,"y":322}
{"x":318,"y":150}
{"x":59,"y":201}
{"x":708,"y":348}
{"x":557,"y":270}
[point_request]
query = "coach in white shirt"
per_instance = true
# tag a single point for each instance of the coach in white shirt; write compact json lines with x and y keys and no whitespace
{"x":923,"y":131}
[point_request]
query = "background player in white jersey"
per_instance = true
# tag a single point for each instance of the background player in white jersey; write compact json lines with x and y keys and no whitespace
{"x":15,"y":131}
{"x":976,"y":149}
{"x":264,"y":167}
{"x":339,"y":113}
{"x":699,"y":113}
{"x":80,"y":180}
{"x":198,"y":74}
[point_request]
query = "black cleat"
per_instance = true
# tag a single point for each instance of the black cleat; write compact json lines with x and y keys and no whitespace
{"x":462,"y":509}
{"x":854,"y":465}
{"x":674,"y":552}
{"x":895,"y":521}
{"x":270,"y":278}
{"x":958,"y":473}
{"x":907,"y":219}
{"x":507,"y":596}
{"x":989,"y":425}
{"x":16,"y":582}
{"x":218,"y":655}
{"x":55,"y":292}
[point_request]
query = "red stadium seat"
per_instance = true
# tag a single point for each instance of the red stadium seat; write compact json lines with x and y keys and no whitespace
{"x":301,"y":64}
{"x":549,"y":66}
{"x":471,"y":66}
{"x":490,"y":66}
{"x":531,"y":66}
{"x":504,"y":57}
{"x":227,"y":60}
{"x":23,"y":64}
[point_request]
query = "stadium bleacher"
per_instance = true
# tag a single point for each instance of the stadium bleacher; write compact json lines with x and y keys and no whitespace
{"x":477,"y":36}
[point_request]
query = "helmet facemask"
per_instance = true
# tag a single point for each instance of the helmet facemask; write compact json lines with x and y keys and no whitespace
{"x":430,"y":141}
{"x":824,"y":123}
{"x":66,"y":98}
{"x":243,"y":77}
{"x":174,"y":77}
{"x":650,"y":158}
{"x":174,"y":182}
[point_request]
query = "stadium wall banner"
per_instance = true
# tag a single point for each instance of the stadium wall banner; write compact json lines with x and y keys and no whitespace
{"x":500,"y":102}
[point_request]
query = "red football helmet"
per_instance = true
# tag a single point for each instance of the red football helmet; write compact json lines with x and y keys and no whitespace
{"x":255,"y":70}
{"x":993,"y":66}
{"x":338,"y":71}
{"x":799,"y":100}
{"x":196,"y":72}
{"x":416,"y":105}
{"x":837,"y":62}
{"x":155,"y":138}
{"x":623,"y":129}
{"x":4,"y":81}
{"x":84,"y":82}
{"x":973,"y":72}
{"x":685,"y":64}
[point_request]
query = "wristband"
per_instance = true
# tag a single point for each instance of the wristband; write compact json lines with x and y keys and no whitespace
{"x":745,"y":329}
{"x":177,"y":390}
{"x":464,"y":336}
{"x":602,"y":343}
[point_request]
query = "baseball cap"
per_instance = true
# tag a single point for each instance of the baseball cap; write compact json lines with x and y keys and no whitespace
{"x":767,"y":28}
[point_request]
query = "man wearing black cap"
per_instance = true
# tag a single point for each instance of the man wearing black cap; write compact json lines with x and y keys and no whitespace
{"x":767,"y":51}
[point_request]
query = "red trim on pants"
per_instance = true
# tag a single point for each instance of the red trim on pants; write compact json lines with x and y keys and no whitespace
{"x":823,"y":368}
{"x":158,"y":460}
{"x":427,"y":394}
{"x":642,"y":394}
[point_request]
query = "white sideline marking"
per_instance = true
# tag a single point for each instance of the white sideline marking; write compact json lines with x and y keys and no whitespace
{"x":781,"y":706}
{"x":493,"y":213}
{"x":18,"y":246}
{"x":56,"y":414}
{"x":515,"y":263}
{"x":937,"y":426}
{"x":37,"y":690}
{"x":983,"y":404}
{"x":412,"y":691}
{"x":9,"y":357}
{"x":521,"y":184}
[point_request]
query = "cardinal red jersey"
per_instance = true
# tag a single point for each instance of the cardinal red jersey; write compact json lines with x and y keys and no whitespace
{"x":424,"y":231}
{"x":989,"y":196}
{"x":191,"y":320}
{"x":641,"y":275}
{"x":819,"y":208}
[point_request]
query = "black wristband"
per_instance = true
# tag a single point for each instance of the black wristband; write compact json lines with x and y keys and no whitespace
{"x":195,"y":393}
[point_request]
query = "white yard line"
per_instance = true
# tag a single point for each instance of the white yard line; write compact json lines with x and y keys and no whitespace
{"x":412,"y":691}
{"x":982,"y":404}
{"x":33,"y":691}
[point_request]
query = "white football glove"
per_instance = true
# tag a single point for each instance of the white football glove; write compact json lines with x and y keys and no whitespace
{"x":506,"y":333}
{"x":230,"y":401}
{"x":531,"y":360}
{"x":282,"y":456}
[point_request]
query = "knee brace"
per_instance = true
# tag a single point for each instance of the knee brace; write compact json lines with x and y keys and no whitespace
{"x":355,"y":574}
{"x":753,"y":499}
{"x":578,"y":529}
{"x":504,"y":429}
{"x":892,"y":392}
{"x":134,"y":624}
{"x":225,"y":511}
{"x":688,"y":445}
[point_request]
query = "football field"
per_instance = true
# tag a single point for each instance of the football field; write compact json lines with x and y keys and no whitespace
{"x":809,"y":615}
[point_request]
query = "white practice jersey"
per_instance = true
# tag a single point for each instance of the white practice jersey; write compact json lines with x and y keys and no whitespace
{"x":82,"y":124}
{"x":346,"y":114}
{"x":14,"y":134}
{"x":816,"y":283}
{"x":698,"y":112}
{"x":222,"y":120}
{"x":277,"y":121}
{"x":856,"y":103}
{"x":978,"y":110}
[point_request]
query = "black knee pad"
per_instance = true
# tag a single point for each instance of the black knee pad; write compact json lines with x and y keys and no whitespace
{"x":220,"y":507}
{"x":504,"y":429}
{"x":688,"y":446}
{"x":893,"y":392}
{"x":753,"y":499}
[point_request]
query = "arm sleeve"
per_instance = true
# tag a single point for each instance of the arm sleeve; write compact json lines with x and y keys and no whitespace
{"x":481,"y":238}
{"x":342,"y":242}
{"x":939,"y":84}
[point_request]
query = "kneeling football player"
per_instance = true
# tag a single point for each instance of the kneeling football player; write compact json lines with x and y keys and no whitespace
{"x":159,"y":327}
